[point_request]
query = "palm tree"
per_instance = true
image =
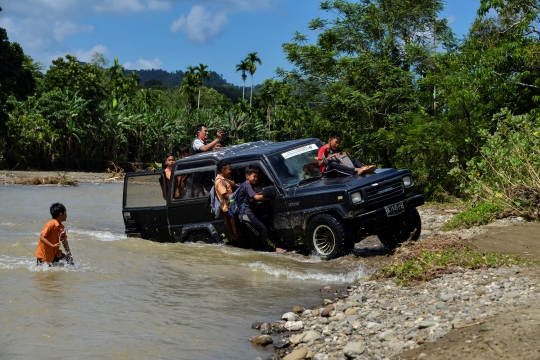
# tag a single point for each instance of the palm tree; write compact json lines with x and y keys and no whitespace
{"x":243,"y":67}
{"x":252,"y":59}
{"x":201,"y":73}
{"x":189,"y":85}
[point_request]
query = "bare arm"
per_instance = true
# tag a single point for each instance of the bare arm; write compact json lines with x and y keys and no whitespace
{"x":213,"y":143}
{"x":258,"y":197}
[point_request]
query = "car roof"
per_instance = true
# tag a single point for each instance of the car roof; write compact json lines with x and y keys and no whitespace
{"x":248,"y":151}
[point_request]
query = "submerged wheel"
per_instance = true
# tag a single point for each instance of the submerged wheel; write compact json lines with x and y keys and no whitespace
{"x":404,"y":227}
{"x":328,"y":237}
{"x":201,"y":236}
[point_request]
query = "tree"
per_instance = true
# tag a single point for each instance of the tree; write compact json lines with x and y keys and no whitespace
{"x":201,"y":73}
{"x":190,"y":85}
{"x":252,"y":60}
{"x":243,"y":66}
{"x":16,"y":75}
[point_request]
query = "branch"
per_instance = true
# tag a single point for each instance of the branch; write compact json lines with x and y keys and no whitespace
{"x":517,"y":82}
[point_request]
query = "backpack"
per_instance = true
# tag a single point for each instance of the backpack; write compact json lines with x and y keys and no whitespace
{"x":236,"y":209}
{"x":213,"y":202}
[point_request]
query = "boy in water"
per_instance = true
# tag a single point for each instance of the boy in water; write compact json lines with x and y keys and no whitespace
{"x":48,"y":249}
{"x":255,"y":229}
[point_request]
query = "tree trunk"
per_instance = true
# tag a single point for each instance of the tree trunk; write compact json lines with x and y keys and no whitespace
{"x":243,"y":89}
{"x":199,"y":99}
{"x":251,"y":92}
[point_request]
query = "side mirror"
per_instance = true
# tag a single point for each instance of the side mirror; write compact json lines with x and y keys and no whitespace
{"x":269,"y":192}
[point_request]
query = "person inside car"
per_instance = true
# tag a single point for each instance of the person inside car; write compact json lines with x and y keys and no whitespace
{"x":332,"y":162}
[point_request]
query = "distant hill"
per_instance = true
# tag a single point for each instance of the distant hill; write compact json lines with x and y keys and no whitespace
{"x":160,"y":79}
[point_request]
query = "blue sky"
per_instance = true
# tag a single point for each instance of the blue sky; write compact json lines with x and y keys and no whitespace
{"x":172,"y":34}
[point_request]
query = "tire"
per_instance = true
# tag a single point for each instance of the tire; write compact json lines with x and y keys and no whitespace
{"x":200,"y":236}
{"x":405,"y":227}
{"x":328,"y":237}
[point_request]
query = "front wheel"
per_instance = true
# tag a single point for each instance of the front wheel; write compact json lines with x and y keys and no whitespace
{"x":405,"y":227}
{"x":200,"y":236}
{"x":328,"y":237}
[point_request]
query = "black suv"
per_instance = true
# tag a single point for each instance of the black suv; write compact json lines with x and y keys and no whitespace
{"x":326,"y":216}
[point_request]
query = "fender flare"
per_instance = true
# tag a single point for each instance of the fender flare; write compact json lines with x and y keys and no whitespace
{"x":204,"y":226}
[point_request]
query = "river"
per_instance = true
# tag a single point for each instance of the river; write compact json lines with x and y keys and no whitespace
{"x":137,"y":299}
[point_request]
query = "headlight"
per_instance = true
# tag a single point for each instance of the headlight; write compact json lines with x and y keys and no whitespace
{"x":356,"y":197}
{"x":127,"y":215}
{"x":407,"y":181}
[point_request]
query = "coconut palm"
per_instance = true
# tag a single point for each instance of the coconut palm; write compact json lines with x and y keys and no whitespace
{"x":201,"y":73}
{"x":190,"y":85}
{"x":243,"y":67}
{"x":252,"y":60}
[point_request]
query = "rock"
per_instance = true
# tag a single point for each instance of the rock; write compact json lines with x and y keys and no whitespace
{"x":290,"y":316}
{"x":297,"y":310}
{"x":326,"y":289}
{"x":350,"y":311}
{"x":266,"y":328}
{"x":296,"y":339}
{"x":282,"y":344}
{"x":480,"y":292}
{"x":297,"y":354}
{"x":262,"y":340}
{"x":354,"y":349}
{"x":386,"y":336}
{"x":347,"y":332}
{"x":315,"y":312}
{"x":310,"y":335}
{"x":425,"y":324}
{"x":327,"y":301}
{"x":420,"y":341}
{"x":256,"y":325}
{"x":327,"y":310}
{"x":447,"y":297}
{"x":294,"y":325}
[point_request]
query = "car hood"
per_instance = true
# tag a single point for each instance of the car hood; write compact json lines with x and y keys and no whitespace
{"x":349,"y":182}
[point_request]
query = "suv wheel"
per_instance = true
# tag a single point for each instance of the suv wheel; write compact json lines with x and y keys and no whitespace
{"x":327,"y":237}
{"x":407,"y":226}
{"x":200,"y":236}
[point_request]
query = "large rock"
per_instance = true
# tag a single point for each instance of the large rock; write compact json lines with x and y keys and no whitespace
{"x":262,"y":340}
{"x":294,"y":325}
{"x":350,"y":311}
{"x":353,"y":349}
{"x":290,"y":316}
{"x":296,"y":339}
{"x":310,"y":335}
{"x":297,"y":309}
{"x":327,"y":310}
{"x":297,"y":354}
{"x":266,"y":328}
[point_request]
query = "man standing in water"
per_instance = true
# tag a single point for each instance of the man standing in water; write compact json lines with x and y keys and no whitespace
{"x":200,"y":144}
{"x":48,"y":249}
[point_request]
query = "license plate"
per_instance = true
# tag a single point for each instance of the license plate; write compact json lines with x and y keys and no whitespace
{"x":394,"y":209}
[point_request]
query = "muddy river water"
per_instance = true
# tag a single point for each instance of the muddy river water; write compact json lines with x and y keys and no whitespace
{"x":136,"y":299}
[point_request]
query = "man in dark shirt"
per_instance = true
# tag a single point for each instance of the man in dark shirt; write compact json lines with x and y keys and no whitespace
{"x":255,"y":229}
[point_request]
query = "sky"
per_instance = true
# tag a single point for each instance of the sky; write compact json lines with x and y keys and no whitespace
{"x":172,"y":34}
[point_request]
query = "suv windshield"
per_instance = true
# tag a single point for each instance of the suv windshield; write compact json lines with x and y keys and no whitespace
{"x":296,"y":164}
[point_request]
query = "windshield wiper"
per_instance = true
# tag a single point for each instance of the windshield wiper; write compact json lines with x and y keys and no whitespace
{"x":304,"y":181}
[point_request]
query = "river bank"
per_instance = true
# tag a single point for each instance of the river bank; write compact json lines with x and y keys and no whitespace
{"x":465,"y":314}
{"x":12,"y":177}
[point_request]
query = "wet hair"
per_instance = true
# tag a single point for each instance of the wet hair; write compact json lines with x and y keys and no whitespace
{"x":57,"y":209}
{"x":168,"y":155}
{"x":183,"y":148}
{"x":334,"y":135}
{"x":199,"y":128}
{"x":252,"y":169}
{"x":222,"y":164}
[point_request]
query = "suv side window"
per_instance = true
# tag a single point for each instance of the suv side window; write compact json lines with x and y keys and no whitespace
{"x":193,"y":184}
{"x":145,"y":191}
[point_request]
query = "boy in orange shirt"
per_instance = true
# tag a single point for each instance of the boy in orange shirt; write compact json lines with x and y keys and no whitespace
{"x":48,"y":249}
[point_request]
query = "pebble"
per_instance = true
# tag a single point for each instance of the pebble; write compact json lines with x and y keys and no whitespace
{"x":297,"y":354}
{"x":327,"y":310}
{"x":262,"y":340}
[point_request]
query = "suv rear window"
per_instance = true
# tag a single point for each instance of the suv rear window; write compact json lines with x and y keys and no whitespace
{"x":145,"y":191}
{"x":296,"y":164}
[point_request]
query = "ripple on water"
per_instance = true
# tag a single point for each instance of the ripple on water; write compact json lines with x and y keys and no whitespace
{"x":98,"y":235}
{"x":10,"y":263}
{"x":287,"y":273}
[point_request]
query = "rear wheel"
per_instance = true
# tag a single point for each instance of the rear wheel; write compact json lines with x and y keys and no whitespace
{"x":328,"y":237}
{"x":201,"y":236}
{"x":405,"y":227}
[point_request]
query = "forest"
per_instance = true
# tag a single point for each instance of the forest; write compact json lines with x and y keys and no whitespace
{"x":461,"y":113}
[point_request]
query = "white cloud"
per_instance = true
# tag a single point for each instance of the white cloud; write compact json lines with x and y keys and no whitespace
{"x":143,"y":64}
{"x":200,"y":24}
{"x":451,"y":19}
{"x":121,"y":6}
{"x":63,"y":29}
{"x":86,"y":56}
{"x":159,"y":5}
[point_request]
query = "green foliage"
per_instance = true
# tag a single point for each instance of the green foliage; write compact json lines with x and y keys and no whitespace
{"x":482,"y":214}
{"x":430,"y":263}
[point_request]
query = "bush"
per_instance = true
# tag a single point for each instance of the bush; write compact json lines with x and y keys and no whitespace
{"x":507,"y":172}
{"x":474,"y":216}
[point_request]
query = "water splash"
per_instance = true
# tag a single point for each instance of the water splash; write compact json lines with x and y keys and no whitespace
{"x":316,"y":276}
{"x":97,"y":235}
{"x":11,"y":263}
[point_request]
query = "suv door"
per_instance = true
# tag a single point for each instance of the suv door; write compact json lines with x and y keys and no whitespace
{"x":273,"y":213}
{"x":187,"y":202}
{"x":144,"y":206}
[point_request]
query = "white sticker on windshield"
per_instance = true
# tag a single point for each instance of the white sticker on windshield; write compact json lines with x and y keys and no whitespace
{"x":301,"y":150}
